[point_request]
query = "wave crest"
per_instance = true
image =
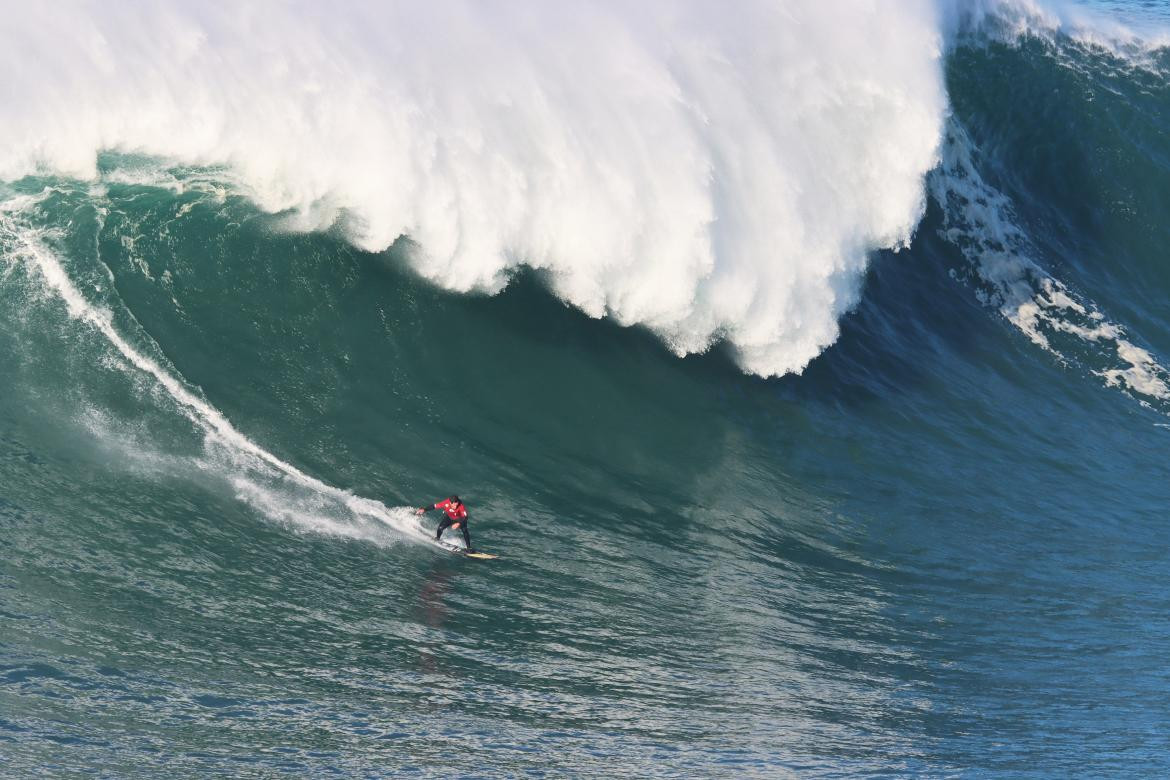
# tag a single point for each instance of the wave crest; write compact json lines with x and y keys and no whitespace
{"x":705,"y":172}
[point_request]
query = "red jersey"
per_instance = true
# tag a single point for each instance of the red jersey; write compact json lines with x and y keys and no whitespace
{"x":454,"y":511}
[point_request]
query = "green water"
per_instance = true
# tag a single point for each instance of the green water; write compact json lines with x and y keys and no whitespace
{"x":940,"y":551}
{"x":701,"y":573}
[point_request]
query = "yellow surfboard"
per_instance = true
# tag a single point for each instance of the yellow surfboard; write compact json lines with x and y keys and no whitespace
{"x":466,"y":553}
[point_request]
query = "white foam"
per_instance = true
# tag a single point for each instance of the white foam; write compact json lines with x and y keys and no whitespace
{"x":980,"y":221}
{"x":1132,"y":36}
{"x":274,"y":486}
{"x":707,"y":171}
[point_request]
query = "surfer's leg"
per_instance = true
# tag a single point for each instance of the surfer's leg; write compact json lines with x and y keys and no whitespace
{"x":466,"y":535}
{"x":442,"y":527}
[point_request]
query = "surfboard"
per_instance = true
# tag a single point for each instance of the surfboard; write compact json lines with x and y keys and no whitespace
{"x":466,"y":553}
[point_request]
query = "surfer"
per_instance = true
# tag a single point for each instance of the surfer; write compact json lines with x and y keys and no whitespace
{"x":456,"y":517}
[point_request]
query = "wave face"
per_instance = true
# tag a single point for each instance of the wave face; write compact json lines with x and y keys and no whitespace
{"x":897,"y":510}
{"x":1076,"y":188}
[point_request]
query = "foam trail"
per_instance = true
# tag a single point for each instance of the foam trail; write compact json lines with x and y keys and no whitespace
{"x":706,"y":172}
{"x":980,"y":221}
{"x":228,"y":450}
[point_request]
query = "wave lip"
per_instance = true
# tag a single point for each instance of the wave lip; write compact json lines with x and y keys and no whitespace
{"x":706,"y":174}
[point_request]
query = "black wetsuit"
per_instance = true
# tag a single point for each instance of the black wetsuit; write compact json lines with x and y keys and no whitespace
{"x":447,"y":523}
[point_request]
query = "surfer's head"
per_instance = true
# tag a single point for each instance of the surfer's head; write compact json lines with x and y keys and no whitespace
{"x":454,"y":500}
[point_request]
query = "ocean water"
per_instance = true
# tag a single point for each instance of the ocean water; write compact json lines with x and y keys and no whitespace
{"x":806,"y":365}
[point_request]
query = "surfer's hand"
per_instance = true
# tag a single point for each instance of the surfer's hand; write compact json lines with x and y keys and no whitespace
{"x":421,"y":510}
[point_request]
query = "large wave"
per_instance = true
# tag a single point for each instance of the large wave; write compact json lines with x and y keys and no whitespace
{"x":708,"y":172}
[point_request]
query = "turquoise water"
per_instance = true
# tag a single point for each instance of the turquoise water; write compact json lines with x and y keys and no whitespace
{"x":938,"y":551}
